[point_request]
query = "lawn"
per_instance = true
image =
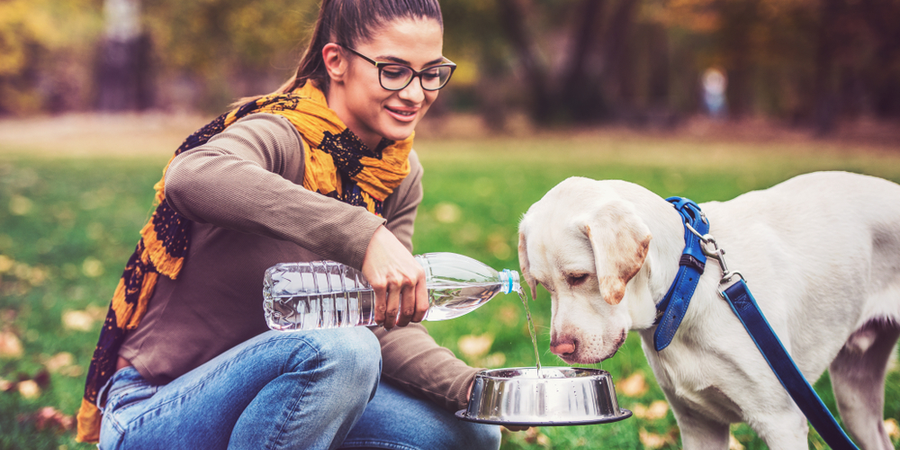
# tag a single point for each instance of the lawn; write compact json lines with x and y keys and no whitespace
{"x":72,"y":201}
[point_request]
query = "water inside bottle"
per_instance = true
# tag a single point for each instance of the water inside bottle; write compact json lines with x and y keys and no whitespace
{"x":449,"y":301}
{"x":537,"y":355}
{"x":320,"y":311}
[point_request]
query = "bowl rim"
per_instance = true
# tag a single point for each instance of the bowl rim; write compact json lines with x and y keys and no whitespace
{"x":623,"y":414}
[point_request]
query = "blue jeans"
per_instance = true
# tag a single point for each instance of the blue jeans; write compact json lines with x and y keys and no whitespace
{"x":313,"y":390}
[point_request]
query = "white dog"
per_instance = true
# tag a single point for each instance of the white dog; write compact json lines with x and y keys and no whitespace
{"x":820,"y":253}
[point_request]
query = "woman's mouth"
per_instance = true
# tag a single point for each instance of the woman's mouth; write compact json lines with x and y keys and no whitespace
{"x":402,"y":114}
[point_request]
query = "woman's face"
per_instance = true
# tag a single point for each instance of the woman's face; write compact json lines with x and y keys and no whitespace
{"x":356,"y":95}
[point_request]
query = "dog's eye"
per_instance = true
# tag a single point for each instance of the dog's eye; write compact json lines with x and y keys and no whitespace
{"x":576,"y":279}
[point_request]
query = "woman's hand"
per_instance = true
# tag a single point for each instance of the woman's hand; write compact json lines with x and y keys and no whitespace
{"x":397,"y":279}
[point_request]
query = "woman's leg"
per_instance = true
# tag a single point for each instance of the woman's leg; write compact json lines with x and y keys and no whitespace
{"x":277,"y":390}
{"x":396,"y":420}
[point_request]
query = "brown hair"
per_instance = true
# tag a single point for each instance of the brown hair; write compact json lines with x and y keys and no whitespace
{"x":349,"y":22}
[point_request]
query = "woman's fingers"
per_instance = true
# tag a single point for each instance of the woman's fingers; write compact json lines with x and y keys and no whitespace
{"x":397,"y":279}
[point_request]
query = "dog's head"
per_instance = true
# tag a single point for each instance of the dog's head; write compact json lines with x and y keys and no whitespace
{"x":585,"y":245}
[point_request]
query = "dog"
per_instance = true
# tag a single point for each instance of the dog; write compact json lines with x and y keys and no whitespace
{"x":820,"y":253}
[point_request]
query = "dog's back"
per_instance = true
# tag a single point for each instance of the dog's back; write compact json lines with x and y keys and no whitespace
{"x":827,"y":246}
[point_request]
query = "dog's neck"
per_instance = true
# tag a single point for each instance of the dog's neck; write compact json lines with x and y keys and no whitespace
{"x":661,"y":265}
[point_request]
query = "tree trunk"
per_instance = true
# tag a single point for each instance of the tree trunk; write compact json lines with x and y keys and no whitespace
{"x":824,"y":97}
{"x":512,"y":17}
{"x":123,"y":74}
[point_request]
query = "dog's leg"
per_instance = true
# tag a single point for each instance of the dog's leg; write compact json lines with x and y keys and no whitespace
{"x":699,"y":432}
{"x":857,"y":377}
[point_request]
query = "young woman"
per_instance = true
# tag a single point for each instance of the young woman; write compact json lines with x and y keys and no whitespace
{"x":322,"y":169}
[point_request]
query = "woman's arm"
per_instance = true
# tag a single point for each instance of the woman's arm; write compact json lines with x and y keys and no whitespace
{"x":249,"y":178}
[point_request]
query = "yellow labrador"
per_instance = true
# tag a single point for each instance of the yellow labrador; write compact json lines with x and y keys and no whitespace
{"x":820,"y":252}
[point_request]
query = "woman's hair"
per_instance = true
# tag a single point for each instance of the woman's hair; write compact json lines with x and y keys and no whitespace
{"x":349,"y":22}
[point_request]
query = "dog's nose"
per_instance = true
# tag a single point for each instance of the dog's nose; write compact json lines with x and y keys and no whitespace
{"x":562,"y":346}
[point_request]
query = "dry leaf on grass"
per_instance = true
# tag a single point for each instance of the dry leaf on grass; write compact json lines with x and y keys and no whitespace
{"x":657,"y":410}
{"x":78,"y":320}
{"x":63,"y":363}
{"x":49,"y":418}
{"x":10,"y":345}
{"x":533,"y":435}
{"x":651,"y":440}
{"x":634,"y":386}
{"x":475,"y":346}
{"x":29,"y":389}
{"x":892,"y":428}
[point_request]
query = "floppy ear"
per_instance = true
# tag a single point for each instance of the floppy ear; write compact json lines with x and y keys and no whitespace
{"x":619,"y":240}
{"x":523,"y":264}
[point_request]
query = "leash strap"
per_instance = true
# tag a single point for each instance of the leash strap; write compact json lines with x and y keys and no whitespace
{"x":744,"y":306}
{"x":671,"y":309}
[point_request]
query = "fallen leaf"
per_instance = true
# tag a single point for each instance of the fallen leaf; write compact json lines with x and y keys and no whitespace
{"x":651,"y":440}
{"x":42,"y":378}
{"x":446,"y":212}
{"x":77,"y":320}
{"x":532,"y":434}
{"x":634,"y":386}
{"x":657,"y":410}
{"x":10,"y":345}
{"x":49,"y":418}
{"x":92,"y":267}
{"x":892,"y":428}
{"x":6,"y":263}
{"x":29,"y":389}
{"x":494,"y":360}
{"x":734,"y":444}
{"x":59,"y":361}
{"x":475,"y":346}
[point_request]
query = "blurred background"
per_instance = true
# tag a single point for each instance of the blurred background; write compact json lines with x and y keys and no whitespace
{"x":702,"y":98}
{"x":813,"y":64}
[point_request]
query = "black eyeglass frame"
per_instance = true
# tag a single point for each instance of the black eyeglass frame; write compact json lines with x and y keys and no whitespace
{"x":415,"y":73}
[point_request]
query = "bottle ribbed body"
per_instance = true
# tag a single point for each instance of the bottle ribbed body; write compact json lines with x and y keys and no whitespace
{"x":327,"y":294}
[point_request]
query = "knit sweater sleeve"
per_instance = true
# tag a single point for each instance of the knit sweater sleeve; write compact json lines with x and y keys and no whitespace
{"x":249,"y":179}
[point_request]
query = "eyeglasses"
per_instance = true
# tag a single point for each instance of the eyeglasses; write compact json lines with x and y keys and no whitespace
{"x":396,"y":77}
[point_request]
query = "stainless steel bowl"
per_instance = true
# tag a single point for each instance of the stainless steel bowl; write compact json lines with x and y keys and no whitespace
{"x":561,"y":396}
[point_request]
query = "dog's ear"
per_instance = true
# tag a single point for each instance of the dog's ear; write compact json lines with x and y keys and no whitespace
{"x":523,"y":264}
{"x":620,"y":241}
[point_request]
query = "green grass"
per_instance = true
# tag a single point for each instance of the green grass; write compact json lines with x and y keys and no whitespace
{"x":67,"y":224}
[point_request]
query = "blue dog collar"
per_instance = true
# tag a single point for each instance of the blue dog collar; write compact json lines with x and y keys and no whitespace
{"x":671,"y":309}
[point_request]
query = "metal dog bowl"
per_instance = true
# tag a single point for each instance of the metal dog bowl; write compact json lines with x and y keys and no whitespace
{"x":561,"y":396}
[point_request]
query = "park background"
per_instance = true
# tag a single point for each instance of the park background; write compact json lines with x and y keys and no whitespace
{"x":701,"y":98}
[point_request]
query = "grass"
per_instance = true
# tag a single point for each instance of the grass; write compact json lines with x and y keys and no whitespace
{"x":71,"y":207}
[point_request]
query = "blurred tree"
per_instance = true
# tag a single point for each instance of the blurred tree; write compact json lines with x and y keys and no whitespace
{"x":124,"y":80}
{"x":211,"y":52}
{"x":44,"y":47}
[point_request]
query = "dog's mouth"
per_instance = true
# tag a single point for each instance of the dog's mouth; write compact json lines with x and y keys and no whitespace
{"x":588,"y":354}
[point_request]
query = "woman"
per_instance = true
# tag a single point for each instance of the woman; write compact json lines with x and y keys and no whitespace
{"x":322,"y":169}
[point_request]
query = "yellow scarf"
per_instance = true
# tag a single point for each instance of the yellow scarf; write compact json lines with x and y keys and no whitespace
{"x":338,"y":165}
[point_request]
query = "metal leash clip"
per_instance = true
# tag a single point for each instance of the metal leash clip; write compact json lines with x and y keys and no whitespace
{"x":711,"y":250}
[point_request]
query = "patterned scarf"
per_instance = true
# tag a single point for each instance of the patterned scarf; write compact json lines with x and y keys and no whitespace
{"x":338,"y":165}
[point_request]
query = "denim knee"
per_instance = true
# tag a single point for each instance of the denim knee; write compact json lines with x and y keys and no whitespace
{"x":484,"y":437}
{"x":351,"y":356}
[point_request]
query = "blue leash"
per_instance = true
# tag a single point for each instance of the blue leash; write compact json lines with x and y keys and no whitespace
{"x":671,"y":309}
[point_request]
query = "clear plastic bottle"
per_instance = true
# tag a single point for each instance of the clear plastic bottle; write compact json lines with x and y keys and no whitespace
{"x":327,"y":294}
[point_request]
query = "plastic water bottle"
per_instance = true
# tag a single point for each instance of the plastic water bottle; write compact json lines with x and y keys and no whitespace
{"x":327,"y":294}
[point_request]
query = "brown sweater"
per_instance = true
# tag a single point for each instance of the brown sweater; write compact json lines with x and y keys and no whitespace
{"x":244,"y":191}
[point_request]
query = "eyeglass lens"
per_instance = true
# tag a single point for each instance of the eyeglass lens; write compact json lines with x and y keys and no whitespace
{"x":397,"y":77}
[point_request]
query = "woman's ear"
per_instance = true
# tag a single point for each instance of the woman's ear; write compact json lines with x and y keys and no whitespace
{"x":335,"y":62}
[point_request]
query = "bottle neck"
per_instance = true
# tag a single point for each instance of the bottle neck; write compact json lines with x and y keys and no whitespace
{"x":509,"y":281}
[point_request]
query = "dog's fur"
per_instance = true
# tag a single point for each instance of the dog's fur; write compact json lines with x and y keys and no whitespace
{"x":820,"y":253}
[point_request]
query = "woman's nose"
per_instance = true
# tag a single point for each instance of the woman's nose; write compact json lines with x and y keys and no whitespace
{"x":413,"y":92}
